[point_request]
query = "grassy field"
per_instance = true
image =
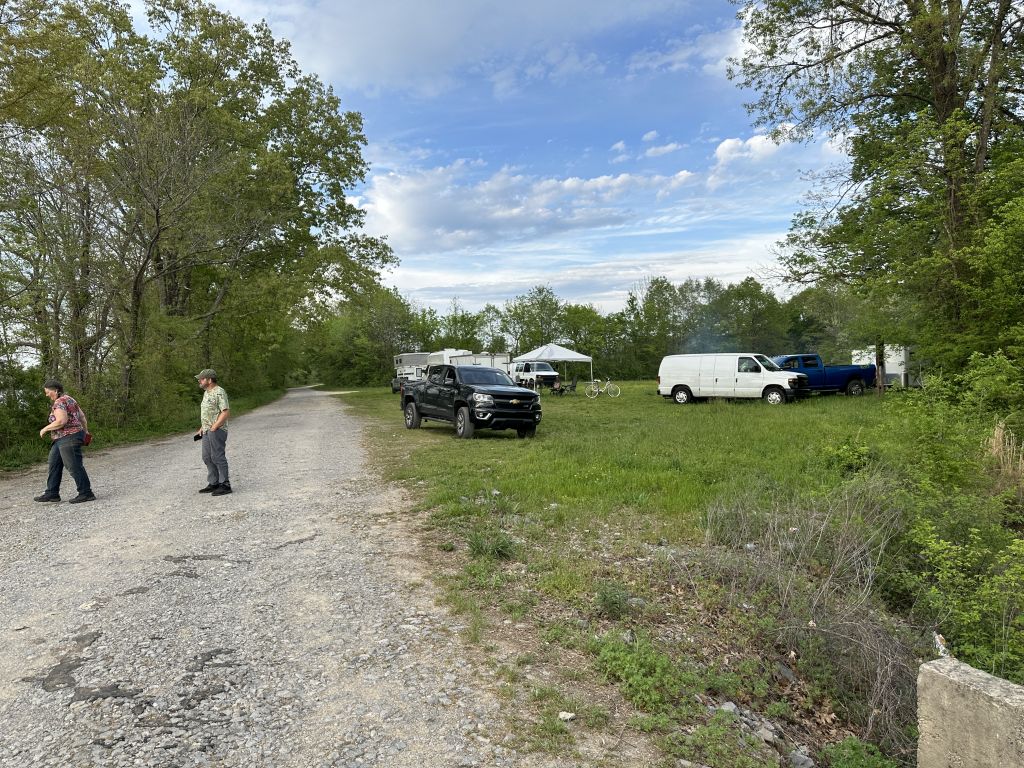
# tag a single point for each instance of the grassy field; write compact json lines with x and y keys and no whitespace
{"x":579,"y":533}
{"x":639,"y":453}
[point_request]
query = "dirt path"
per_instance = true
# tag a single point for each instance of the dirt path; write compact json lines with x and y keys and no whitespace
{"x":287,"y":624}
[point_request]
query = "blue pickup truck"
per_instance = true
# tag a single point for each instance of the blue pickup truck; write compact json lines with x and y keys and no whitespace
{"x":851,"y":379}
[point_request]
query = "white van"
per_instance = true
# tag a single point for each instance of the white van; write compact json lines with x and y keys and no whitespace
{"x":685,"y":378}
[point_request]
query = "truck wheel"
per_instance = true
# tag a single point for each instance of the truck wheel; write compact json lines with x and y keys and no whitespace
{"x":463,"y":424}
{"x":396,"y":385}
{"x":774,"y":396}
{"x":412,"y":416}
{"x":855,"y":388}
{"x":527,"y":431}
{"x":682,"y":395}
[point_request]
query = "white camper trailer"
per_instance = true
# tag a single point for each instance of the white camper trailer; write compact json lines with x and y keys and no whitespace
{"x":899,"y":367}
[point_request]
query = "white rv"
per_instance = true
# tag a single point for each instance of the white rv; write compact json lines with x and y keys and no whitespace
{"x":444,"y":356}
{"x":899,"y":365}
{"x":685,"y":378}
{"x":489,"y":359}
{"x":409,"y":366}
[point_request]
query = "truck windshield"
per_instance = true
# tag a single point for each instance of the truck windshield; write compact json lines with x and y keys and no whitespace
{"x":546,"y":367}
{"x":485,"y":376}
{"x":768,"y":364}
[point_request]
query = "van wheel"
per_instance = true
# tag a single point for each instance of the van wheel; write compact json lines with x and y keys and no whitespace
{"x":855,"y":388}
{"x":682,"y":395}
{"x":774,"y":396}
{"x":463,"y":424}
{"x":412,"y":415}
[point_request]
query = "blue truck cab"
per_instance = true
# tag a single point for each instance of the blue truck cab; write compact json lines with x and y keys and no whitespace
{"x":851,"y":379}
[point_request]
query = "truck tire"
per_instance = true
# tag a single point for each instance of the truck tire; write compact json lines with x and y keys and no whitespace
{"x":855,"y":388}
{"x":775,"y":396}
{"x":396,"y":386}
{"x":463,"y":423}
{"x":682,"y":395}
{"x":412,"y":416}
{"x":527,"y":431}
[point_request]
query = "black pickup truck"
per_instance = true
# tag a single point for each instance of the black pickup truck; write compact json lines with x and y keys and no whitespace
{"x":472,"y":397}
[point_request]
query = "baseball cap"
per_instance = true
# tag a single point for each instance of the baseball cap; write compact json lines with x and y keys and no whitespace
{"x":207,"y":373}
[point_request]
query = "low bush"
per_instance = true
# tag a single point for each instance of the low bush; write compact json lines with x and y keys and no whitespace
{"x":854,"y":753}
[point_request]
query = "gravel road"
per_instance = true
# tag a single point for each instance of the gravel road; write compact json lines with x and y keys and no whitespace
{"x":287,"y":624}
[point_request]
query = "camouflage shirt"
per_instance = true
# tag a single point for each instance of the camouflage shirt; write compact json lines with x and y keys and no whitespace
{"x":215,"y":400}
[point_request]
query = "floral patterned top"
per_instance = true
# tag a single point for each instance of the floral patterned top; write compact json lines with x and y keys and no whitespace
{"x":70,"y":406}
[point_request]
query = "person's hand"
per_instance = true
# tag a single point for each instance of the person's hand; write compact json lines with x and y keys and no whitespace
{"x":42,"y":432}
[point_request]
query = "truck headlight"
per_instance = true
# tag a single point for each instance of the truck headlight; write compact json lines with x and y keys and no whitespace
{"x":794,"y":383}
{"x":481,"y":399}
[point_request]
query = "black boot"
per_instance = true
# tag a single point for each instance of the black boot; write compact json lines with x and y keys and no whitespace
{"x":221,"y":490}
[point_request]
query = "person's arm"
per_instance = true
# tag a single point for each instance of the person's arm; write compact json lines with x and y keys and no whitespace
{"x":60,"y":417}
{"x":221,"y":418}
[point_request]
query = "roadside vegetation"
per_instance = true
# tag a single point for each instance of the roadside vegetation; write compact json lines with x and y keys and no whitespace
{"x":795,"y":561}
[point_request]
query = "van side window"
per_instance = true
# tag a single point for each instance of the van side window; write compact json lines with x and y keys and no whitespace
{"x":810,"y":362}
{"x":748,"y":365}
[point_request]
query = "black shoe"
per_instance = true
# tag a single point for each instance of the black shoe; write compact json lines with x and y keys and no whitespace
{"x":46,"y":497}
{"x":209,"y":488}
{"x":82,"y":497}
{"x":221,"y":490}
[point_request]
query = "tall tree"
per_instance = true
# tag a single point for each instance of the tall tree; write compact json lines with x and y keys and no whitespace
{"x":925,"y":94}
{"x":167,"y":197}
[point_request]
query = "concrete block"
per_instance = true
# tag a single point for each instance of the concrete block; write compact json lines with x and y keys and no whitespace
{"x":968,"y":718}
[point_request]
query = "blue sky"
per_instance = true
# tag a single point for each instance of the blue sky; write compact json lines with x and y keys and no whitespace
{"x":582,"y":144}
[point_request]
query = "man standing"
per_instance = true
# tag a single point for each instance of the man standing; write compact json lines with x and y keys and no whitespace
{"x":213,"y":417}
{"x":67,"y":428}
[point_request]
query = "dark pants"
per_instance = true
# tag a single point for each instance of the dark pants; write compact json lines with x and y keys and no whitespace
{"x":67,"y":452}
{"x":214,"y":444}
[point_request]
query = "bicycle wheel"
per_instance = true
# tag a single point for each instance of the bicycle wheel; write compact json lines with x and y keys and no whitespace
{"x":613,"y":390}
{"x":593,"y":391}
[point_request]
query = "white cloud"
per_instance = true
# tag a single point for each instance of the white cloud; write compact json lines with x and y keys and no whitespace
{"x":453,"y":207}
{"x":618,"y":146}
{"x":574,"y":273}
{"x":709,"y":52}
{"x":739,"y":152}
{"x":650,"y":136}
{"x":663,"y":149}
{"x":423,"y":46}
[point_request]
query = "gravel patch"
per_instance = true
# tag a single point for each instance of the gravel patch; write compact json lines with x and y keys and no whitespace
{"x":287,"y":624}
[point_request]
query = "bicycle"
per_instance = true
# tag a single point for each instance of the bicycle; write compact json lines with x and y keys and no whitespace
{"x":594,"y":388}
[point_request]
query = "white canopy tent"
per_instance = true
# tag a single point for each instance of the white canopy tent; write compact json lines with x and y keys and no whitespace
{"x":553,"y":353}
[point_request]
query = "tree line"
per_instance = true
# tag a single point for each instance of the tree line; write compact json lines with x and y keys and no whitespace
{"x":356,"y":343}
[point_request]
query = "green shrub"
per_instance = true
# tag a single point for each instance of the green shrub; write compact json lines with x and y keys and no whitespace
{"x":492,"y":543}
{"x":648,"y":677}
{"x":854,"y":753}
{"x":612,"y":600}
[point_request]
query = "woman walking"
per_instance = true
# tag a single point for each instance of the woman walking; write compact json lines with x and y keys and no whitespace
{"x":67,"y":428}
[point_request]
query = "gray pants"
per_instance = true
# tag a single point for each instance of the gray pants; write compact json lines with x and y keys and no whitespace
{"x":214,"y":456}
